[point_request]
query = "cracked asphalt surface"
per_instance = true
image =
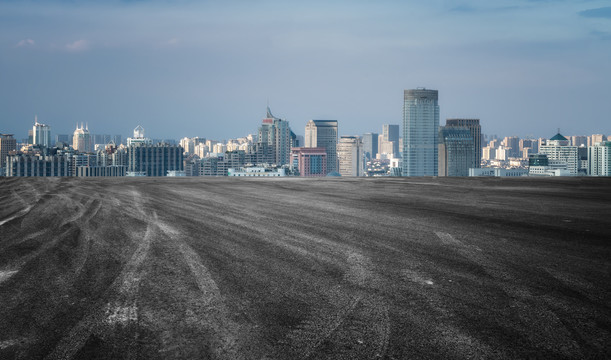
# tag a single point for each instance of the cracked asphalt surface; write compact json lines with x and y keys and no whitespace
{"x":221,"y":268}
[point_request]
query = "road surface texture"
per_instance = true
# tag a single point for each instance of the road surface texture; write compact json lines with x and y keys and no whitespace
{"x":220,"y":268}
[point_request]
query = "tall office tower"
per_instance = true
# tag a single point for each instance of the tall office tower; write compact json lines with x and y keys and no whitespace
{"x":370,"y":145}
{"x":309,"y":162}
{"x":476,"y":133}
{"x":81,"y":140}
{"x":420,"y":132}
{"x":323,"y":133}
{"x":391,"y":133}
{"x":276,"y":134}
{"x":350,"y":156}
{"x":456,"y":149}
{"x":7,"y":143}
{"x":599,"y":159}
{"x":188,"y":145}
{"x":41,"y":134}
{"x":558,"y":148}
{"x":117,"y":139}
{"x":512,"y":144}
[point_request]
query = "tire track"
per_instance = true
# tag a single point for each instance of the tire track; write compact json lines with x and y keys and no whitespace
{"x":216,"y":317}
{"x":120,"y":311}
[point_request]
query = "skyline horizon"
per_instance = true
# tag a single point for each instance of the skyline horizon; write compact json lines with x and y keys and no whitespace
{"x":441,"y":123}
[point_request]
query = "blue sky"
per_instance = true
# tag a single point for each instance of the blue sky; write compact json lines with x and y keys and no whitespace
{"x":187,"y":68}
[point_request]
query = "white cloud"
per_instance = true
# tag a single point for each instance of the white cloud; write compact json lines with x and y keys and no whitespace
{"x":78,"y":45}
{"x":26,"y":42}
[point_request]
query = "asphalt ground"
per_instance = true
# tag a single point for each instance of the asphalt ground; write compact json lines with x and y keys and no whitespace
{"x":220,"y":268}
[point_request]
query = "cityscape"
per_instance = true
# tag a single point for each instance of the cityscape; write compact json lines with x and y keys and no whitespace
{"x":417,"y":147}
{"x":267,"y":179}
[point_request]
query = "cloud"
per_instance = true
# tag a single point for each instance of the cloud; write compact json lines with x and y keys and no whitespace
{"x":78,"y":45}
{"x":26,"y":42}
{"x":604,"y":12}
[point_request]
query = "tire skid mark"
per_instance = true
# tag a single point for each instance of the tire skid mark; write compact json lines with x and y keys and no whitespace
{"x":17,"y":215}
{"x":217,"y":317}
{"x":119,"y":311}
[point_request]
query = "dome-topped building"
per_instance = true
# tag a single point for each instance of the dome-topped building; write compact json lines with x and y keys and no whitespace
{"x":81,"y":140}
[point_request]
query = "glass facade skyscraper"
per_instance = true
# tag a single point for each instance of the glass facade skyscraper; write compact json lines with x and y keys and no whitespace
{"x":420,"y":132}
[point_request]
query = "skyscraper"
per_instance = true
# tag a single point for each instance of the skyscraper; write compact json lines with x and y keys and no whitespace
{"x":7,"y":143}
{"x":350,"y":156}
{"x":455,"y":151}
{"x":476,"y":133}
{"x":81,"y":140}
{"x":275,"y":134}
{"x":391,"y":133}
{"x":323,"y":133}
{"x":558,"y":148}
{"x":41,"y":134}
{"x":370,"y":145}
{"x":599,"y":159}
{"x":420,"y":132}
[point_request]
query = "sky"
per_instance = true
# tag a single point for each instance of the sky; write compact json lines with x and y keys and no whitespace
{"x":210,"y":68}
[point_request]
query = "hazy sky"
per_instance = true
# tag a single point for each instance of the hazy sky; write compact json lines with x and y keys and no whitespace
{"x":191,"y":68}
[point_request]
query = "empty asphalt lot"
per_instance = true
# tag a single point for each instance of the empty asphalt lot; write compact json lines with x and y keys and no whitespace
{"x":223,"y":268}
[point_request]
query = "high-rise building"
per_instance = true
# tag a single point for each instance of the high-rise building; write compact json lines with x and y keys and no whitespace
{"x":323,"y":133}
{"x":512,"y":146}
{"x":390,"y":133}
{"x":456,"y":148}
{"x":558,"y":149}
{"x":154,"y":160}
{"x":81,"y":139}
{"x":350,"y":156}
{"x":476,"y":133}
{"x":310,"y":162}
{"x":62,"y":138}
{"x":420,"y":132}
{"x":370,"y":145}
{"x":578,"y":140}
{"x":276,"y":134}
{"x":41,"y":134}
{"x":595,"y":139}
{"x":7,"y":143}
{"x":599,"y":159}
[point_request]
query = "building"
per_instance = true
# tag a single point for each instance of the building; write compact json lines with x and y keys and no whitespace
{"x":557,"y":148}
{"x":476,"y":133}
{"x":350,"y":156}
{"x":101,"y":171}
{"x":420,"y":132}
{"x":257,"y":172}
{"x":456,"y":151}
{"x":139,"y":138}
{"x":41,"y":134}
{"x":390,"y":133}
{"x":309,"y":162}
{"x":498,"y":172}
{"x":7,"y":144}
{"x":370,"y":145}
{"x":38,"y":165}
{"x":154,"y":160}
{"x":512,"y":146}
{"x":599,"y":159}
{"x":81,"y":139}
{"x":276,"y":134}
{"x":323,"y":134}
{"x":595,"y":139}
{"x":541,"y":165}
{"x":578,"y":140}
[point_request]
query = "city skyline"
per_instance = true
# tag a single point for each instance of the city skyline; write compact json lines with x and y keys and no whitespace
{"x":522,"y":67}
